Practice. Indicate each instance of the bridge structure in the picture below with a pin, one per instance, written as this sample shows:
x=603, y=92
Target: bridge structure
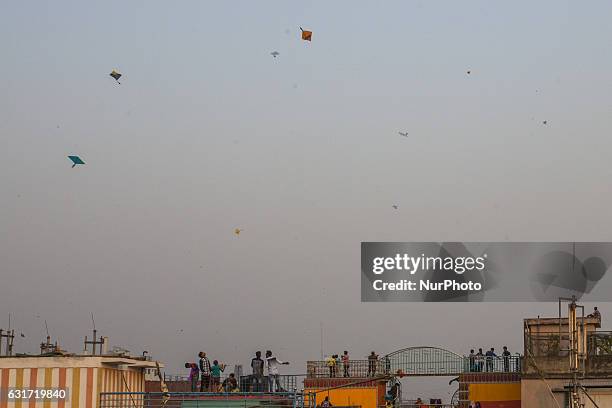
x=426, y=361
x=422, y=361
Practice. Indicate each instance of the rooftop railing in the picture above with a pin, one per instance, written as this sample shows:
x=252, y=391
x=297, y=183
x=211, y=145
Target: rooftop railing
x=246, y=383
x=493, y=364
x=414, y=404
x=557, y=345
x=355, y=369
x=425, y=367
x=205, y=400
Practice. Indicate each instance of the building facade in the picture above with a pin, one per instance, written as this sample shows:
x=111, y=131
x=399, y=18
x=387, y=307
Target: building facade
x=82, y=378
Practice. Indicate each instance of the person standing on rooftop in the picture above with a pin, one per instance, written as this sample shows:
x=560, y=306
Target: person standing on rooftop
x=472, y=359
x=257, y=364
x=372, y=360
x=490, y=354
x=204, y=371
x=479, y=360
x=194, y=373
x=506, y=357
x=345, y=363
x=215, y=373
x=331, y=365
x=273, y=376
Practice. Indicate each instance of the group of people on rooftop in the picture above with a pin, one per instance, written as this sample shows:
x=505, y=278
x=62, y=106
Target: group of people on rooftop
x=333, y=362
x=272, y=364
x=209, y=374
x=478, y=360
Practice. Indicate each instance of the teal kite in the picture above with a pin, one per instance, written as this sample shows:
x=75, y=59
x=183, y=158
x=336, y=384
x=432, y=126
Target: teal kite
x=76, y=160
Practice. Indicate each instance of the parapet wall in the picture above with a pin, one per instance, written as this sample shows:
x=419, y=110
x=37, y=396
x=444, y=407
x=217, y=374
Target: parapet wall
x=596, y=366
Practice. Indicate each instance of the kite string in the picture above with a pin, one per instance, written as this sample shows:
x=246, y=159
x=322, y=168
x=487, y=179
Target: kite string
x=541, y=373
x=573, y=257
x=128, y=388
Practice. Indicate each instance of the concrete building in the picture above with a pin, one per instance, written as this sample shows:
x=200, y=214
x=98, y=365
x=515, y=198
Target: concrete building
x=347, y=392
x=82, y=377
x=546, y=376
x=492, y=390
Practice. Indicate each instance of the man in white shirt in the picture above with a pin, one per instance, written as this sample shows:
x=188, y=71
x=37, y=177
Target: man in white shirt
x=273, y=376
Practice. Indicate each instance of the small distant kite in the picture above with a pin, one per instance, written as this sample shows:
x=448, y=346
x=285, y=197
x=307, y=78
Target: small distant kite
x=22, y=335
x=115, y=74
x=405, y=134
x=275, y=54
x=469, y=72
x=545, y=122
x=237, y=231
x=395, y=206
x=76, y=160
x=306, y=35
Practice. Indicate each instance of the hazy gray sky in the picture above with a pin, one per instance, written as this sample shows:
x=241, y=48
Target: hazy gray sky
x=208, y=132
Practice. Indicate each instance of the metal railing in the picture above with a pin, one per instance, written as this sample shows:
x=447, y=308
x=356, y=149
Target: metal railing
x=557, y=345
x=547, y=345
x=429, y=367
x=205, y=400
x=492, y=364
x=599, y=343
x=246, y=383
x=355, y=368
x=414, y=404
x=251, y=383
x=426, y=361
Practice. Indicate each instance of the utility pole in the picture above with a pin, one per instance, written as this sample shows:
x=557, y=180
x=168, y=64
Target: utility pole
x=10, y=337
x=321, y=324
x=47, y=347
x=576, y=349
x=94, y=342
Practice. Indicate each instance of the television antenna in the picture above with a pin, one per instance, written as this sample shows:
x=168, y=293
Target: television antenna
x=94, y=342
x=9, y=336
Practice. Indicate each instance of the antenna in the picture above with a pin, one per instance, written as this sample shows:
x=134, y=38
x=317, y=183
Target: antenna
x=577, y=347
x=321, y=324
x=47, y=347
x=9, y=336
x=573, y=257
x=94, y=342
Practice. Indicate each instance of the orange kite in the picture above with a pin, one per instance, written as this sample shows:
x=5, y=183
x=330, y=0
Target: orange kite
x=306, y=35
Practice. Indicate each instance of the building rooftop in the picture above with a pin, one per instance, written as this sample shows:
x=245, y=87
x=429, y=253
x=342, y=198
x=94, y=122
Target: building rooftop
x=71, y=360
x=555, y=321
